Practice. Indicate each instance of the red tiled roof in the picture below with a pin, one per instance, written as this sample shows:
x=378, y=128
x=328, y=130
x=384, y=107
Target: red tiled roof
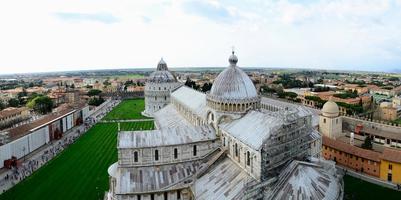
x=23, y=130
x=10, y=111
x=391, y=155
x=344, y=147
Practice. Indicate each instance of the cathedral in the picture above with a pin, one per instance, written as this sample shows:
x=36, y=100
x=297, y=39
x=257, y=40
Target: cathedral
x=229, y=143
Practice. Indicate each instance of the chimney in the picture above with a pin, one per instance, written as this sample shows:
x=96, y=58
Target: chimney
x=351, y=139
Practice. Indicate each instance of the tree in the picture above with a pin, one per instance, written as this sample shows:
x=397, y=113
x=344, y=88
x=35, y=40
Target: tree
x=2, y=105
x=206, y=87
x=190, y=83
x=94, y=92
x=13, y=102
x=106, y=83
x=41, y=104
x=367, y=144
x=95, y=101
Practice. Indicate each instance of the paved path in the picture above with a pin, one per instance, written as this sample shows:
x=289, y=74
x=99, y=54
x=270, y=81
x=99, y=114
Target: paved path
x=36, y=159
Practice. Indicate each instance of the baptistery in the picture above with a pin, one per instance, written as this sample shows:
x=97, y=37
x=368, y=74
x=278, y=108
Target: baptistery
x=158, y=88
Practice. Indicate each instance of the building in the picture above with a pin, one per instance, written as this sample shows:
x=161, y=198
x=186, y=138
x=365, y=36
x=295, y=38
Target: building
x=330, y=123
x=223, y=145
x=24, y=139
x=11, y=116
x=388, y=112
x=341, y=145
x=158, y=88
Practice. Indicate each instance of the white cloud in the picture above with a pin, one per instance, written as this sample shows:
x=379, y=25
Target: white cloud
x=324, y=33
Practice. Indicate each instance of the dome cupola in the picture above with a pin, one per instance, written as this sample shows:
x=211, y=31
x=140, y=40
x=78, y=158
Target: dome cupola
x=233, y=87
x=162, y=74
x=330, y=109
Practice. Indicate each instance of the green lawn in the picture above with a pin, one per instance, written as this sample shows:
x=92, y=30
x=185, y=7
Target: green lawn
x=79, y=172
x=358, y=189
x=128, y=109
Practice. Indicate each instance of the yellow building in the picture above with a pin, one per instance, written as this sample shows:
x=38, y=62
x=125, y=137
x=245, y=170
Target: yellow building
x=390, y=166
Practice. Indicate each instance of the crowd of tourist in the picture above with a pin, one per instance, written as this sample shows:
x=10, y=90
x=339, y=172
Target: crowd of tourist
x=28, y=165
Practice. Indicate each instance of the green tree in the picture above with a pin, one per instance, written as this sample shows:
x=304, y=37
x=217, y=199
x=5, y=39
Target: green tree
x=2, y=105
x=206, y=87
x=94, y=92
x=13, y=102
x=95, y=101
x=367, y=144
x=41, y=104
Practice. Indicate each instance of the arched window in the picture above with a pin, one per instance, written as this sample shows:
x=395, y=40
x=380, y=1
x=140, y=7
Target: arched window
x=165, y=98
x=156, y=154
x=175, y=153
x=324, y=120
x=224, y=141
x=194, y=150
x=135, y=156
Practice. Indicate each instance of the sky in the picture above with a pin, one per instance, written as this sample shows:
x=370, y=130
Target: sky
x=64, y=35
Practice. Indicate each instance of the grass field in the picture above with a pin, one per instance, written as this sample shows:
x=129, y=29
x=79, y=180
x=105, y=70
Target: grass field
x=128, y=109
x=356, y=189
x=79, y=172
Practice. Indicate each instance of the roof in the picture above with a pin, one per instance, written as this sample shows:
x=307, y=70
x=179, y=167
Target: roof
x=363, y=153
x=330, y=109
x=162, y=74
x=11, y=111
x=25, y=129
x=173, y=130
x=383, y=133
x=391, y=155
x=192, y=99
x=303, y=109
x=233, y=84
x=151, y=178
x=253, y=128
x=302, y=180
x=224, y=181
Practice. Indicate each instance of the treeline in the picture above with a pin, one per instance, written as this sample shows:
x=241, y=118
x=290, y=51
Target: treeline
x=204, y=88
x=95, y=98
x=288, y=81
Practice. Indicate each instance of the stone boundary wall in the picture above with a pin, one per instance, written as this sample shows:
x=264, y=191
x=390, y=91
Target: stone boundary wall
x=395, y=128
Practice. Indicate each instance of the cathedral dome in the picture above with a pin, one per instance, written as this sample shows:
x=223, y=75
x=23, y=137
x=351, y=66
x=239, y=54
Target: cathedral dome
x=330, y=109
x=233, y=84
x=162, y=74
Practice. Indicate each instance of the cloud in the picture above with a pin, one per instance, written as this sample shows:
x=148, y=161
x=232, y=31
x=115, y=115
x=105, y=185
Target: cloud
x=330, y=34
x=105, y=18
x=211, y=10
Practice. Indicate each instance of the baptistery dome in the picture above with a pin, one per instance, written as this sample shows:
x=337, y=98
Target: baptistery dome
x=233, y=86
x=162, y=74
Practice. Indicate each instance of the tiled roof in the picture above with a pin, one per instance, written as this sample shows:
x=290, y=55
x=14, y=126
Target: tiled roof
x=11, y=111
x=357, y=151
x=391, y=155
